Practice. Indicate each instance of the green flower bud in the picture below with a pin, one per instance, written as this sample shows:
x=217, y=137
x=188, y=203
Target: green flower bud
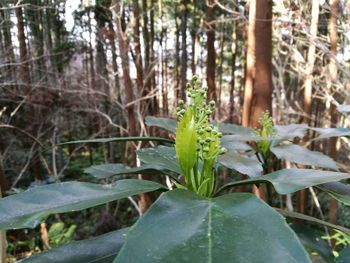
x=222, y=150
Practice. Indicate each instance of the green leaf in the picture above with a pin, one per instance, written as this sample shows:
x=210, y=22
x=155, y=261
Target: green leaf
x=344, y=255
x=162, y=156
x=311, y=219
x=301, y=155
x=338, y=190
x=104, y=171
x=101, y=249
x=313, y=242
x=186, y=143
x=250, y=137
x=165, y=123
x=291, y=130
x=288, y=181
x=27, y=208
x=236, y=145
x=119, y=139
x=229, y=128
x=184, y=227
x=240, y=163
x=331, y=132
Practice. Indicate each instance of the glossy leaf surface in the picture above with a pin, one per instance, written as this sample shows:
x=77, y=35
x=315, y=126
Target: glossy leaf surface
x=104, y=171
x=165, y=123
x=28, y=208
x=242, y=164
x=288, y=181
x=183, y=227
x=160, y=155
x=344, y=255
x=301, y=155
x=101, y=249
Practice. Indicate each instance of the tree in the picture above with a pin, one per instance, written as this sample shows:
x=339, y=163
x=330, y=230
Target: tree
x=332, y=151
x=258, y=82
x=211, y=58
x=258, y=75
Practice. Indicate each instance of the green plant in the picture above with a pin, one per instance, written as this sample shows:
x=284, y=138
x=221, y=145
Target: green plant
x=199, y=221
x=59, y=234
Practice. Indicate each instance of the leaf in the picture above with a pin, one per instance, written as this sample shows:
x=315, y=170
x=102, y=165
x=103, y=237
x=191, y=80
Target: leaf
x=288, y=181
x=242, y=164
x=344, y=255
x=250, y=137
x=165, y=123
x=236, y=145
x=311, y=219
x=291, y=130
x=186, y=143
x=184, y=227
x=338, y=190
x=330, y=132
x=118, y=139
x=104, y=171
x=301, y=155
x=27, y=208
x=162, y=156
x=229, y=128
x=101, y=249
x=312, y=241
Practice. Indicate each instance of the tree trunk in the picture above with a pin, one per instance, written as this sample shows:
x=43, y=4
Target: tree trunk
x=333, y=36
x=258, y=79
x=129, y=96
x=311, y=58
x=211, y=59
x=23, y=54
x=258, y=83
x=233, y=70
x=183, y=49
x=137, y=48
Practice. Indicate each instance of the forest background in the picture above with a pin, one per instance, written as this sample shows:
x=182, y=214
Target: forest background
x=72, y=70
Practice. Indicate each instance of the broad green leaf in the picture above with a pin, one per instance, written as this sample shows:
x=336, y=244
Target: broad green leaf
x=250, y=137
x=104, y=171
x=291, y=130
x=288, y=181
x=101, y=249
x=165, y=123
x=236, y=145
x=240, y=163
x=184, y=227
x=301, y=155
x=313, y=242
x=338, y=190
x=186, y=142
x=311, y=219
x=331, y=132
x=229, y=128
x=27, y=208
x=119, y=139
x=344, y=255
x=162, y=156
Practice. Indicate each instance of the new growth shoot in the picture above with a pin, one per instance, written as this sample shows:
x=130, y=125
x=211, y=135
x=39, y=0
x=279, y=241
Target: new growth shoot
x=197, y=141
x=267, y=130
